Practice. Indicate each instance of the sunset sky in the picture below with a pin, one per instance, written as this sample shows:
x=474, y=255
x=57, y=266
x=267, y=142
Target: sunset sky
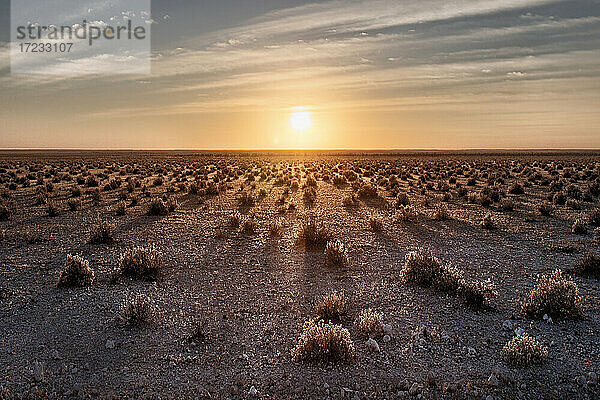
x=378, y=74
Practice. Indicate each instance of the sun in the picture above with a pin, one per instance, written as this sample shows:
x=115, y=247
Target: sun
x=301, y=119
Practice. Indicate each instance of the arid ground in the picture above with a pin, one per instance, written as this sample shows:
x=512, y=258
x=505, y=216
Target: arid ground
x=237, y=276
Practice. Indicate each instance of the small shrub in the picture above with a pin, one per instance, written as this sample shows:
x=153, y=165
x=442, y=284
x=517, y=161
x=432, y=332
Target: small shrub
x=559, y=199
x=158, y=207
x=579, y=227
x=121, y=208
x=313, y=234
x=350, y=201
x=199, y=333
x=423, y=269
x=140, y=262
x=247, y=199
x=249, y=226
x=406, y=213
x=235, y=219
x=545, y=209
x=310, y=194
x=76, y=272
x=487, y=222
x=74, y=204
x=4, y=212
x=375, y=224
x=402, y=200
x=139, y=311
x=51, y=209
x=588, y=266
x=336, y=254
x=555, y=296
x=331, y=307
x=516, y=188
x=441, y=213
x=369, y=323
x=594, y=217
x=507, y=205
x=276, y=227
x=102, y=233
x=323, y=342
x=524, y=350
x=368, y=191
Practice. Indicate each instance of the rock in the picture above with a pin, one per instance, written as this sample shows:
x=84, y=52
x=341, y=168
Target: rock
x=549, y=320
x=546, y=317
x=489, y=397
x=387, y=329
x=493, y=381
x=472, y=352
x=38, y=371
x=326, y=386
x=507, y=325
x=414, y=389
x=519, y=331
x=372, y=345
x=252, y=392
x=110, y=344
x=592, y=379
x=387, y=338
x=581, y=380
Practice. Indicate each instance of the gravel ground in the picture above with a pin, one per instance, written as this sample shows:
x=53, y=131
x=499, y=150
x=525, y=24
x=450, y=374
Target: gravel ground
x=253, y=292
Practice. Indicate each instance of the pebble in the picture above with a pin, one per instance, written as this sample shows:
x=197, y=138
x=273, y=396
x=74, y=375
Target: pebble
x=493, y=380
x=414, y=389
x=581, y=380
x=372, y=345
x=519, y=331
x=110, y=344
x=592, y=379
x=38, y=371
x=252, y=392
x=387, y=338
x=472, y=352
x=507, y=325
x=387, y=329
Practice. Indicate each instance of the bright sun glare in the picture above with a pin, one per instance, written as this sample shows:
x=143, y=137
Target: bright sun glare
x=301, y=120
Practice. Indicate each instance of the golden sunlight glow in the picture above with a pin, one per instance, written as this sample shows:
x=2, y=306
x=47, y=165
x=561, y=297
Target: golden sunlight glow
x=300, y=119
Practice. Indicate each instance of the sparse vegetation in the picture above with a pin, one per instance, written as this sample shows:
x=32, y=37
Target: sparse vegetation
x=331, y=307
x=141, y=262
x=588, y=266
x=336, y=254
x=314, y=234
x=369, y=323
x=102, y=232
x=524, y=350
x=76, y=272
x=139, y=311
x=323, y=342
x=555, y=296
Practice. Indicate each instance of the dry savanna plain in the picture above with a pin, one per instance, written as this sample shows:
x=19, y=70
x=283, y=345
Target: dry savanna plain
x=306, y=275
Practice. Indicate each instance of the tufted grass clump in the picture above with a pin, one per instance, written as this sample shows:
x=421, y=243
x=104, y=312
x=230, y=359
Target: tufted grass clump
x=554, y=295
x=276, y=227
x=524, y=350
x=441, y=213
x=423, y=269
x=323, y=342
x=331, y=307
x=368, y=191
x=579, y=227
x=247, y=199
x=375, y=224
x=139, y=311
x=141, y=263
x=75, y=273
x=588, y=266
x=4, y=212
x=336, y=254
x=161, y=207
x=314, y=234
x=406, y=213
x=594, y=217
x=369, y=323
x=487, y=222
x=102, y=232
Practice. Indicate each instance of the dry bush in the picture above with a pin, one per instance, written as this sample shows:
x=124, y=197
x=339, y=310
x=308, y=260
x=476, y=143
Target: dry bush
x=74, y=204
x=139, y=311
x=594, y=217
x=588, y=266
x=368, y=191
x=76, y=272
x=235, y=219
x=4, y=212
x=102, y=232
x=158, y=207
x=406, y=213
x=441, y=213
x=276, y=227
x=246, y=199
x=423, y=269
x=507, y=205
x=121, y=208
x=314, y=234
x=579, y=227
x=524, y=350
x=51, y=209
x=323, y=342
x=350, y=201
x=249, y=226
x=310, y=194
x=375, y=223
x=336, y=254
x=140, y=262
x=369, y=323
x=545, y=209
x=554, y=295
x=402, y=200
x=516, y=188
x=199, y=333
x=487, y=222
x=331, y=307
